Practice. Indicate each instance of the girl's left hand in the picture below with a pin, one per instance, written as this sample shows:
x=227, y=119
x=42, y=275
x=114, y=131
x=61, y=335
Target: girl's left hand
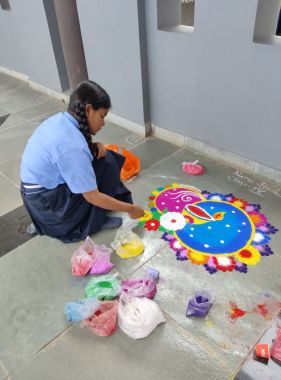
x=101, y=151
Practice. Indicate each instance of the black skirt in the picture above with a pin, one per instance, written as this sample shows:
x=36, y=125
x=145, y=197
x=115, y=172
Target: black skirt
x=69, y=217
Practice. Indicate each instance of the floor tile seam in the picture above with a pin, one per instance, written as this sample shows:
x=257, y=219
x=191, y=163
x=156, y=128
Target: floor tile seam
x=34, y=354
x=4, y=369
x=137, y=144
x=27, y=121
x=258, y=339
x=34, y=105
x=7, y=79
x=145, y=139
x=151, y=257
x=9, y=180
x=21, y=109
x=163, y=160
x=201, y=343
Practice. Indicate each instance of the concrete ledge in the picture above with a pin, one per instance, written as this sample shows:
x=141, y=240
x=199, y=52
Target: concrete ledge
x=127, y=124
x=169, y=136
x=216, y=153
x=64, y=97
x=38, y=87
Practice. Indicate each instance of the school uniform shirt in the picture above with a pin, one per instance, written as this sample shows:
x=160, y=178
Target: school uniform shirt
x=58, y=153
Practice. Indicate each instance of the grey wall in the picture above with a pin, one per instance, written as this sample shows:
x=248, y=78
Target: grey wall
x=215, y=84
x=25, y=42
x=110, y=35
x=212, y=83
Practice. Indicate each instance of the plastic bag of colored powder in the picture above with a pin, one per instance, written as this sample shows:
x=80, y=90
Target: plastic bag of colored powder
x=91, y=257
x=79, y=310
x=101, y=264
x=104, y=321
x=139, y=287
x=138, y=317
x=127, y=244
x=106, y=287
x=199, y=305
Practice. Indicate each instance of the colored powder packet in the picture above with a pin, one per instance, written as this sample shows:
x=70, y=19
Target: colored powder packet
x=127, y=244
x=104, y=321
x=139, y=287
x=199, y=305
x=79, y=310
x=138, y=317
x=106, y=287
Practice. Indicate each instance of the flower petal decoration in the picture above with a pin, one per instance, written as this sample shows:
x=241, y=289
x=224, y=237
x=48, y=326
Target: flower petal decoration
x=260, y=238
x=249, y=256
x=172, y=221
x=176, y=245
x=252, y=207
x=225, y=263
x=152, y=225
x=147, y=216
x=197, y=258
x=210, y=266
x=216, y=197
x=167, y=237
x=266, y=250
x=241, y=267
x=182, y=255
x=238, y=202
x=229, y=197
x=257, y=218
x=268, y=229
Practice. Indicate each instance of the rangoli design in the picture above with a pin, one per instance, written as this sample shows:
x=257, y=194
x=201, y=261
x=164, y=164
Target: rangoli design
x=220, y=232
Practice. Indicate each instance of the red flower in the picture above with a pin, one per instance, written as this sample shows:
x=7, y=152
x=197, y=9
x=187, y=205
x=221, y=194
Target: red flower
x=152, y=225
x=225, y=263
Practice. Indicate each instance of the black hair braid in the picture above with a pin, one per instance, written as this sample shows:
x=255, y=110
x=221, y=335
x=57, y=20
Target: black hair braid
x=80, y=114
x=87, y=92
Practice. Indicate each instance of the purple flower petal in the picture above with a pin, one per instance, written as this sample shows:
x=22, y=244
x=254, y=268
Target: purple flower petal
x=211, y=263
x=181, y=256
x=209, y=269
x=167, y=237
x=205, y=192
x=266, y=250
x=240, y=267
x=271, y=229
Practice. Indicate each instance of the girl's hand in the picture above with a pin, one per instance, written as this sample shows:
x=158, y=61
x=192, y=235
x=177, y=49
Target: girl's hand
x=136, y=212
x=101, y=151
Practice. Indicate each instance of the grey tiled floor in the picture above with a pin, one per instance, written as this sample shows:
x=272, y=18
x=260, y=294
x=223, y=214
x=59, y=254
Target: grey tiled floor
x=36, y=340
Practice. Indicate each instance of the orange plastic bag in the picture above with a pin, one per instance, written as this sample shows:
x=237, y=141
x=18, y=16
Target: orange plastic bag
x=131, y=165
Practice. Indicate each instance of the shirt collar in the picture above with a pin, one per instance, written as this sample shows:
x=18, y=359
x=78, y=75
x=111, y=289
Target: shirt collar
x=71, y=118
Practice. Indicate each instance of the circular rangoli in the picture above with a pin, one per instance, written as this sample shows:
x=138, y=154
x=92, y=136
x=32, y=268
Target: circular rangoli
x=220, y=232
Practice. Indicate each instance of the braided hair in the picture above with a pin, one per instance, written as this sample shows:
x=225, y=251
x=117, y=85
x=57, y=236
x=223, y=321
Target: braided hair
x=87, y=92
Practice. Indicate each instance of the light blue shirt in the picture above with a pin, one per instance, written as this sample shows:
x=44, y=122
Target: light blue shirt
x=57, y=153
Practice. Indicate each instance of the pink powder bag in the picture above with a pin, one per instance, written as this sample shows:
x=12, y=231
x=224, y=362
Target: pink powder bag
x=139, y=287
x=104, y=321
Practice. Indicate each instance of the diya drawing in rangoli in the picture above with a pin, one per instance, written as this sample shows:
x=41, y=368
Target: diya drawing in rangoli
x=220, y=232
